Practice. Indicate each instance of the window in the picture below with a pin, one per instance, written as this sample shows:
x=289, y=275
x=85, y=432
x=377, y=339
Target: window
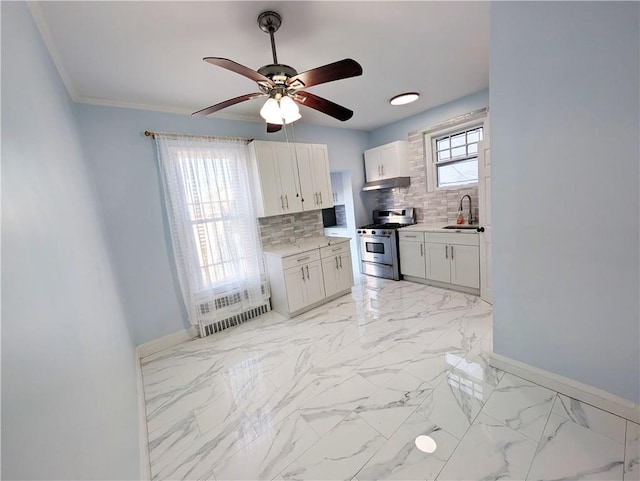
x=457, y=158
x=451, y=152
x=213, y=228
x=215, y=205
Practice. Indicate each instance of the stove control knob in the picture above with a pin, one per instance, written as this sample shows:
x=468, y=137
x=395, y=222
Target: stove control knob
x=373, y=232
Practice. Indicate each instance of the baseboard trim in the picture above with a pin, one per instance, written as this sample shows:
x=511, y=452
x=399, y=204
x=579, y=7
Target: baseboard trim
x=157, y=345
x=442, y=285
x=143, y=435
x=582, y=392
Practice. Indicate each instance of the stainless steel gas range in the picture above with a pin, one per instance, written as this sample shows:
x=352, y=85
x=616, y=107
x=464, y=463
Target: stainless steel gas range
x=378, y=242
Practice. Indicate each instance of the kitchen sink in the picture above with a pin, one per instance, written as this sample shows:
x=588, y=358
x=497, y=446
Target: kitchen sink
x=460, y=227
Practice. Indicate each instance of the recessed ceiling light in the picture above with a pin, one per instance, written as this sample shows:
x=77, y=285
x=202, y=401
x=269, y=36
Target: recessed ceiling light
x=405, y=98
x=426, y=444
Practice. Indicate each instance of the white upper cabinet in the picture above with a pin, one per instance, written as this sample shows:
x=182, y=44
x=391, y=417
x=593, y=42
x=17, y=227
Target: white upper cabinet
x=337, y=187
x=387, y=161
x=313, y=165
x=284, y=174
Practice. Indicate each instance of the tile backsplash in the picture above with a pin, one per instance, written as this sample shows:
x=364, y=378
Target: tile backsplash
x=430, y=207
x=288, y=228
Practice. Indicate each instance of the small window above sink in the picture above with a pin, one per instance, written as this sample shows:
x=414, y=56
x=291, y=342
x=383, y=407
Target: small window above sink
x=460, y=227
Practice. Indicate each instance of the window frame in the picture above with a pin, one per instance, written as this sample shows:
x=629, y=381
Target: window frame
x=429, y=138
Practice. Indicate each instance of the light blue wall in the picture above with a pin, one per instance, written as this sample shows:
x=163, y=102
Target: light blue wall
x=565, y=165
x=400, y=130
x=69, y=400
x=124, y=167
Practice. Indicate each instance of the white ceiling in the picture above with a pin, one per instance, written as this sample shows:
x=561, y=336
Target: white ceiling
x=149, y=54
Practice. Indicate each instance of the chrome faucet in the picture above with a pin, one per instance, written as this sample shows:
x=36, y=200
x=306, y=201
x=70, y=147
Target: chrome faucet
x=471, y=219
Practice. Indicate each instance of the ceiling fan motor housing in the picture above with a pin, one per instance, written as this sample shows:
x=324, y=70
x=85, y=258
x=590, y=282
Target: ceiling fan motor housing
x=269, y=21
x=278, y=72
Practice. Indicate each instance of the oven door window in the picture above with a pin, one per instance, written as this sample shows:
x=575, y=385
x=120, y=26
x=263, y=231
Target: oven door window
x=374, y=247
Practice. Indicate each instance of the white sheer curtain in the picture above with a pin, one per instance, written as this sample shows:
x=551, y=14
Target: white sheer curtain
x=213, y=227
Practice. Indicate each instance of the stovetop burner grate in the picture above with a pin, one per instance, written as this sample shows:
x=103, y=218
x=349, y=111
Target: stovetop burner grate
x=391, y=225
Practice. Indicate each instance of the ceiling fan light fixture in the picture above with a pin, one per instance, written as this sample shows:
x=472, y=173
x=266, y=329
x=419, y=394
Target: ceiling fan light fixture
x=270, y=111
x=405, y=98
x=278, y=112
x=289, y=110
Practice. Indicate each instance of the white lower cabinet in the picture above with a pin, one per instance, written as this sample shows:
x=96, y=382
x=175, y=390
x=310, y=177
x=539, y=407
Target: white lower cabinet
x=412, y=255
x=307, y=279
x=438, y=265
x=336, y=268
x=445, y=259
x=304, y=285
x=465, y=265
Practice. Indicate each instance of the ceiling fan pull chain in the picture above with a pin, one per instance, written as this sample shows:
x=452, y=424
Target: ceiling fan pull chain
x=295, y=154
x=293, y=135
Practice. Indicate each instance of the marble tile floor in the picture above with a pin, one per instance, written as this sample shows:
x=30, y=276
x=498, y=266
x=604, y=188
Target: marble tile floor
x=341, y=392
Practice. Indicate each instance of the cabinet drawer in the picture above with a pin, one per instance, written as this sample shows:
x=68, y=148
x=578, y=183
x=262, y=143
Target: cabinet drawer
x=334, y=250
x=301, y=259
x=411, y=236
x=449, y=238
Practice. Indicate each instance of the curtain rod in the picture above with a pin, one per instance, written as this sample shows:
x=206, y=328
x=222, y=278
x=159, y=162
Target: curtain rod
x=148, y=133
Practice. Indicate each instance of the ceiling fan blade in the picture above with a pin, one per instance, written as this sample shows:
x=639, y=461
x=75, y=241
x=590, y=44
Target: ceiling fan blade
x=323, y=105
x=241, y=69
x=271, y=128
x=345, y=68
x=226, y=103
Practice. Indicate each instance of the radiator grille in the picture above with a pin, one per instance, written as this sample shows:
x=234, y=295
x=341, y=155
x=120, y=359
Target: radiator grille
x=217, y=326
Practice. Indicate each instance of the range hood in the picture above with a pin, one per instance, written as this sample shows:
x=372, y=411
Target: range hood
x=387, y=183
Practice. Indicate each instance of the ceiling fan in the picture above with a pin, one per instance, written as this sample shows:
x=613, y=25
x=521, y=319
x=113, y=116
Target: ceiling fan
x=283, y=84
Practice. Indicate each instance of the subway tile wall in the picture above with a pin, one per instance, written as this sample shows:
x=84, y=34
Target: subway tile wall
x=288, y=228
x=430, y=207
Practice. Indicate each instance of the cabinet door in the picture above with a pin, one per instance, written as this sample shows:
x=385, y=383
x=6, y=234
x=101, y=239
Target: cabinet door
x=337, y=188
x=288, y=177
x=389, y=161
x=304, y=164
x=372, y=165
x=295, y=283
x=269, y=179
x=438, y=262
x=330, y=271
x=320, y=175
x=412, y=258
x=465, y=265
x=314, y=282
x=345, y=271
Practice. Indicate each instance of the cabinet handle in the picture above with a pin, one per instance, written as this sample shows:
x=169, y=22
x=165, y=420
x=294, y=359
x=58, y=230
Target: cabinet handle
x=336, y=249
x=446, y=252
x=282, y=202
x=302, y=269
x=315, y=197
x=340, y=262
x=451, y=252
x=320, y=194
x=308, y=272
x=303, y=258
x=412, y=236
x=336, y=262
x=286, y=197
x=382, y=169
x=421, y=250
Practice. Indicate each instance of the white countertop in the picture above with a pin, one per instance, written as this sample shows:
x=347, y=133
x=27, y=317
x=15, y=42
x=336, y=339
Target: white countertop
x=304, y=245
x=437, y=228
